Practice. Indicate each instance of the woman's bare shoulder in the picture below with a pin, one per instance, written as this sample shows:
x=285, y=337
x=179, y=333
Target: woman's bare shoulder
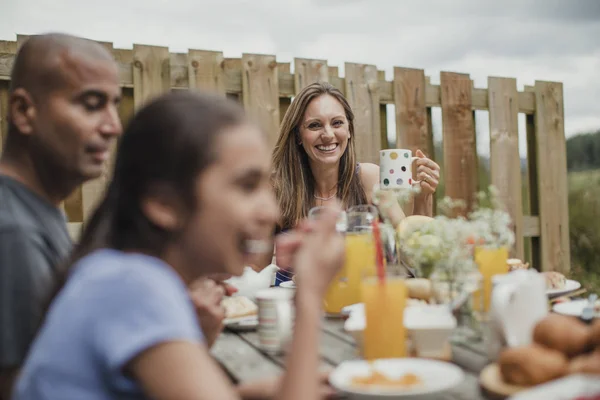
x=369, y=177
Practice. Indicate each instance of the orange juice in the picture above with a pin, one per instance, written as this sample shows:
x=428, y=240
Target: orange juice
x=384, y=335
x=490, y=262
x=344, y=290
x=336, y=297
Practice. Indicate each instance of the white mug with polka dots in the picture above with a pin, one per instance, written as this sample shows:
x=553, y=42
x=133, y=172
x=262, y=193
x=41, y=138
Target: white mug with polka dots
x=395, y=169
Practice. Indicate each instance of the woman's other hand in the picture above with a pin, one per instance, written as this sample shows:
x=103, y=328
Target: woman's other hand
x=428, y=173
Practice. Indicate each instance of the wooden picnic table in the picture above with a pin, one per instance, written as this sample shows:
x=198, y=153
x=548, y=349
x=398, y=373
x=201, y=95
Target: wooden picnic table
x=241, y=357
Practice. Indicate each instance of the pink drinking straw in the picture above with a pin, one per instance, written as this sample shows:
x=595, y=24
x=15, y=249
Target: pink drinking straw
x=378, y=251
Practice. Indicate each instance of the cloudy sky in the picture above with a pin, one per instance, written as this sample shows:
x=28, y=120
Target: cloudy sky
x=527, y=39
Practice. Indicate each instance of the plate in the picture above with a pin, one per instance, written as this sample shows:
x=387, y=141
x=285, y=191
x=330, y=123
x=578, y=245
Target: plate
x=242, y=323
x=570, y=286
x=491, y=381
x=570, y=387
x=572, y=308
x=288, y=285
x=437, y=376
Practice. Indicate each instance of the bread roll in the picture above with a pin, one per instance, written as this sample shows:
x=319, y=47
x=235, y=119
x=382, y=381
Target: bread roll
x=586, y=364
x=566, y=334
x=531, y=365
x=419, y=288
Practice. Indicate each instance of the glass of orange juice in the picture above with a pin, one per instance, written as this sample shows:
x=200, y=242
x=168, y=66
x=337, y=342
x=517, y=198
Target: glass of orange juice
x=344, y=290
x=384, y=335
x=491, y=262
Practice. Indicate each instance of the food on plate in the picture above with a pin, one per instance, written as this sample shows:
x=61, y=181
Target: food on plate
x=239, y=306
x=419, y=288
x=554, y=280
x=516, y=264
x=566, y=334
x=586, y=364
x=531, y=365
x=378, y=379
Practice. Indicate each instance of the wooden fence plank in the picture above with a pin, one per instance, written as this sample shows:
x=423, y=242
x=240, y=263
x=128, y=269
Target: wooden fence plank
x=552, y=176
x=4, y=85
x=383, y=125
x=284, y=68
x=8, y=49
x=412, y=127
x=8, y=46
x=308, y=71
x=460, y=154
x=206, y=71
x=534, y=208
x=151, y=73
x=179, y=66
x=261, y=91
x=363, y=96
x=333, y=72
x=505, y=160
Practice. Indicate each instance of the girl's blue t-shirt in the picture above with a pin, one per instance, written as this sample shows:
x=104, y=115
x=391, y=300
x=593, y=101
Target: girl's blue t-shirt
x=114, y=306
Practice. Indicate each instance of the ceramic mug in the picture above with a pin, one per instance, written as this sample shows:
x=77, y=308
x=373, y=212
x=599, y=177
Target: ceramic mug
x=395, y=169
x=275, y=318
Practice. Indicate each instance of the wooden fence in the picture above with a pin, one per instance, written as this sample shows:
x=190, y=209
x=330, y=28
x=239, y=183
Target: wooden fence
x=265, y=87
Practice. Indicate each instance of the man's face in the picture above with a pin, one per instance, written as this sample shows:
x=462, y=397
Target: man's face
x=77, y=121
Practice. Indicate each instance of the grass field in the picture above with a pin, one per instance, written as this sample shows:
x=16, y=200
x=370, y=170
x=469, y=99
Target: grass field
x=584, y=227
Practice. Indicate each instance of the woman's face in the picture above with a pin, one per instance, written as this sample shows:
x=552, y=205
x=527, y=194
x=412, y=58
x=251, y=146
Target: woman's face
x=324, y=130
x=235, y=204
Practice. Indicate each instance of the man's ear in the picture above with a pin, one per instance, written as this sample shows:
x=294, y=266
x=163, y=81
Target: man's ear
x=21, y=111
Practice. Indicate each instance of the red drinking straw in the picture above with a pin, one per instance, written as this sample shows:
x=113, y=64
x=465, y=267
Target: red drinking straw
x=378, y=251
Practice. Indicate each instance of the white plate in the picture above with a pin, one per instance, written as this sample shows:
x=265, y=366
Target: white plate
x=437, y=376
x=570, y=387
x=248, y=322
x=570, y=286
x=573, y=308
x=288, y=285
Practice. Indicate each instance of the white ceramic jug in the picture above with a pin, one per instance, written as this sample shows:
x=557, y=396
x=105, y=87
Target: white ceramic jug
x=519, y=302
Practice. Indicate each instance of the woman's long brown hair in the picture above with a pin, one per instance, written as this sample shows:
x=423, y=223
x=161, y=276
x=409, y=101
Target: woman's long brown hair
x=293, y=180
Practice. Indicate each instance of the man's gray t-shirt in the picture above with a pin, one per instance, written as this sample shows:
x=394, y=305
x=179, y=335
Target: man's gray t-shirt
x=34, y=242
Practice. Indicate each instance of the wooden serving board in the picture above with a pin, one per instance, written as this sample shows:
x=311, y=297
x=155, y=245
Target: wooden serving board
x=491, y=381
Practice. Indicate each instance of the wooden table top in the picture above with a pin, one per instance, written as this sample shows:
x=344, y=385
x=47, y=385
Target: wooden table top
x=241, y=357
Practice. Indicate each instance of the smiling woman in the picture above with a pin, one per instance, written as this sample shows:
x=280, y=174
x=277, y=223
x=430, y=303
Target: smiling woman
x=315, y=160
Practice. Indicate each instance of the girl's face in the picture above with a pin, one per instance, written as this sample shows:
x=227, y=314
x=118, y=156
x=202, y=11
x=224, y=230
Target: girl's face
x=324, y=130
x=235, y=205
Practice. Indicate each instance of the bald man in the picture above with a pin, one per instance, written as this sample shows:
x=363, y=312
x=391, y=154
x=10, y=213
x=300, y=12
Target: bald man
x=62, y=120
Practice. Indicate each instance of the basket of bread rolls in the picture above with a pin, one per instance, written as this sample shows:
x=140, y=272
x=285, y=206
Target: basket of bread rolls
x=562, y=345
